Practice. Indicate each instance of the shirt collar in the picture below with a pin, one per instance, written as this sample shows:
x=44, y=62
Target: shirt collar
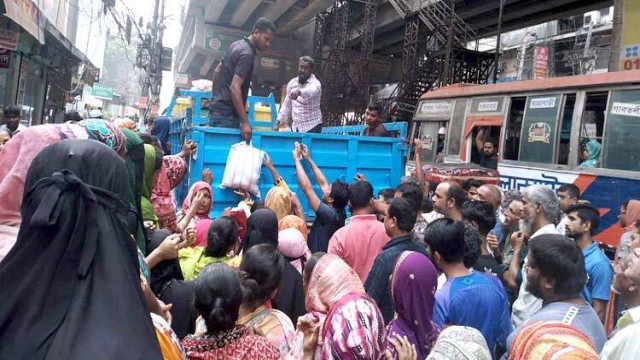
x=368, y=217
x=397, y=240
x=547, y=229
x=629, y=317
x=590, y=249
x=250, y=44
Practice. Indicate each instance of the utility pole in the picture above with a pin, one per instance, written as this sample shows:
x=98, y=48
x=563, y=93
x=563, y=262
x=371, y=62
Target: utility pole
x=498, y=36
x=150, y=56
x=616, y=31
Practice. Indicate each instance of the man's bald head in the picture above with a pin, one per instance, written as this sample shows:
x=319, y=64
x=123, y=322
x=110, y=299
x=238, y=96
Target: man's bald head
x=490, y=194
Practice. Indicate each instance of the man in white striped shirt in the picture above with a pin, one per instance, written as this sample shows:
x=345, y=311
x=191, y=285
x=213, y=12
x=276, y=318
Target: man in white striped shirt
x=302, y=102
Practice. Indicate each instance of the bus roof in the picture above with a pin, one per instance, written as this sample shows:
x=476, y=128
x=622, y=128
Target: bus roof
x=566, y=82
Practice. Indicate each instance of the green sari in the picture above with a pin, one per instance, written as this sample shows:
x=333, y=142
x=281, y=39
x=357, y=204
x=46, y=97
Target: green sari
x=135, y=164
x=147, y=184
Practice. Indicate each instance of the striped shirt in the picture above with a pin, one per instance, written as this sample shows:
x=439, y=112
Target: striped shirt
x=305, y=110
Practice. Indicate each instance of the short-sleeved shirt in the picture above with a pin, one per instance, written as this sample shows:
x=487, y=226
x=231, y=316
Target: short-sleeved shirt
x=328, y=220
x=476, y=300
x=599, y=274
x=237, y=61
x=359, y=243
x=585, y=320
x=491, y=163
x=378, y=130
x=489, y=265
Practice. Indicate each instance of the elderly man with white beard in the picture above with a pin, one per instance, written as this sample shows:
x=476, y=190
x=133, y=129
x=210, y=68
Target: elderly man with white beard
x=540, y=213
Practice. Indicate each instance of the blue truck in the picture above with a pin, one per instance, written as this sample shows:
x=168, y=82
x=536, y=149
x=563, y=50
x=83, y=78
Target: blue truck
x=341, y=152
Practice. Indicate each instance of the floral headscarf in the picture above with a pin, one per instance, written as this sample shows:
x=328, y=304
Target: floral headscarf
x=294, y=222
x=107, y=133
x=167, y=178
x=552, y=340
x=331, y=279
x=279, y=200
x=460, y=343
x=293, y=246
x=413, y=286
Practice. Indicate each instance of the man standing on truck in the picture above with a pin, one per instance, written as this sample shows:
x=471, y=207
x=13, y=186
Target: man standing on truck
x=488, y=150
x=232, y=77
x=302, y=102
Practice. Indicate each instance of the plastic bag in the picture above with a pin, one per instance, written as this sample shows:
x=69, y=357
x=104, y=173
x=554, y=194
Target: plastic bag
x=243, y=168
x=202, y=85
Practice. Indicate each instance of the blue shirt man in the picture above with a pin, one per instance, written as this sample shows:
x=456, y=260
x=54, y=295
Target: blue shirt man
x=599, y=274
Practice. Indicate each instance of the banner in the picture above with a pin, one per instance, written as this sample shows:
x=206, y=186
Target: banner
x=630, y=49
x=542, y=60
x=102, y=91
x=27, y=15
x=5, y=58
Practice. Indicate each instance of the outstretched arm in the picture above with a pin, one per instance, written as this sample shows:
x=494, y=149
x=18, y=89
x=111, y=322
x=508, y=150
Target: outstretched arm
x=305, y=183
x=320, y=178
x=419, y=173
x=480, y=139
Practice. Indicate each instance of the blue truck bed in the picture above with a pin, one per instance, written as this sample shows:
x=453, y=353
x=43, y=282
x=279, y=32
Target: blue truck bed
x=336, y=151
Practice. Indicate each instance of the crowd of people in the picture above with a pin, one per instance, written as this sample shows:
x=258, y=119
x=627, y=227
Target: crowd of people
x=98, y=261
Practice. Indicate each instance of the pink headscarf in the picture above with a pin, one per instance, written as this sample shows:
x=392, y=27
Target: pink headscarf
x=633, y=214
x=186, y=204
x=293, y=246
x=15, y=160
x=330, y=280
x=202, y=233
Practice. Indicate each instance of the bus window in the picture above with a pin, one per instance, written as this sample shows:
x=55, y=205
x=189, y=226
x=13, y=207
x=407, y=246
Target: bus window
x=621, y=146
x=432, y=134
x=514, y=128
x=591, y=130
x=455, y=129
x=539, y=128
x=565, y=130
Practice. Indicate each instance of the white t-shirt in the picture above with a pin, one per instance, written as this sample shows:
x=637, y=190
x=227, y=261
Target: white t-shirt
x=527, y=304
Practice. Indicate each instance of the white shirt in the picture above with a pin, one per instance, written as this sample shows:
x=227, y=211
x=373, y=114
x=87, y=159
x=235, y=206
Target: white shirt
x=20, y=128
x=624, y=344
x=527, y=304
x=562, y=225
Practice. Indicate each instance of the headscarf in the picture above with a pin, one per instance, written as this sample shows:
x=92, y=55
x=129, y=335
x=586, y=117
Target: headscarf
x=186, y=204
x=460, y=343
x=552, y=340
x=593, y=147
x=294, y=222
x=15, y=159
x=73, y=253
x=168, y=177
x=126, y=123
x=413, y=285
x=135, y=166
x=202, y=233
x=279, y=200
x=633, y=214
x=262, y=228
x=107, y=133
x=292, y=245
x=161, y=127
x=330, y=280
x=165, y=270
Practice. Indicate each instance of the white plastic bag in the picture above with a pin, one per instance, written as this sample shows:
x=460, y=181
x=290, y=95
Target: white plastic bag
x=243, y=168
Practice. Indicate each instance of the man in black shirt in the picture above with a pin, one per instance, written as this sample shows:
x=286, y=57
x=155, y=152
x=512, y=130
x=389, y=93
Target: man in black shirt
x=232, y=77
x=488, y=150
x=330, y=215
x=480, y=214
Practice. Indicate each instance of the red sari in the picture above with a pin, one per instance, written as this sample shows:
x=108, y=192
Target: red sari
x=234, y=344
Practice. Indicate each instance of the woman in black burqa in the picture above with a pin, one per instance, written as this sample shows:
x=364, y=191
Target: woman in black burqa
x=71, y=284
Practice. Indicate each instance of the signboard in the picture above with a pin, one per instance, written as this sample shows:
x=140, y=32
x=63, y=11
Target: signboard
x=217, y=42
x=143, y=102
x=630, y=47
x=5, y=59
x=9, y=39
x=102, y=91
x=621, y=149
x=539, y=135
x=154, y=110
x=542, y=60
x=27, y=15
x=440, y=110
x=489, y=105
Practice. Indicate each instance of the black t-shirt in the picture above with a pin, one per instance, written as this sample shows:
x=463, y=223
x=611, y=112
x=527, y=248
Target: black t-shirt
x=488, y=264
x=328, y=220
x=491, y=163
x=238, y=61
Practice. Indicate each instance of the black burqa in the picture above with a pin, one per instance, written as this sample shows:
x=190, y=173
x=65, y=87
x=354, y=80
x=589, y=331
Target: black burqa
x=262, y=228
x=161, y=127
x=169, y=286
x=71, y=284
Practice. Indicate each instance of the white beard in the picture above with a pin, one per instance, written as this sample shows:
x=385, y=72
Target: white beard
x=526, y=227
